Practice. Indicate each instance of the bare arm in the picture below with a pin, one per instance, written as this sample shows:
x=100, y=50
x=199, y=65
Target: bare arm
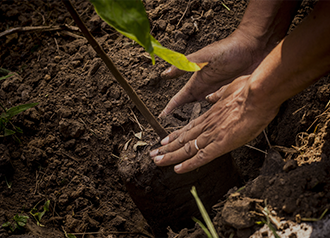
x=249, y=103
x=264, y=24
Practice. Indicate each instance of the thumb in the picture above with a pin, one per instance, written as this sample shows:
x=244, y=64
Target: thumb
x=182, y=97
x=172, y=72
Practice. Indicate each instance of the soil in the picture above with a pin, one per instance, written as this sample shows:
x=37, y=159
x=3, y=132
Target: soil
x=72, y=140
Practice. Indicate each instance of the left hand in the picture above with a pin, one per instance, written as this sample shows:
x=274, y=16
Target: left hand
x=233, y=120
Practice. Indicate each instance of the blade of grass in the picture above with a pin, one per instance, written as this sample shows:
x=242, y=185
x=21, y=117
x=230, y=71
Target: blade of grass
x=203, y=211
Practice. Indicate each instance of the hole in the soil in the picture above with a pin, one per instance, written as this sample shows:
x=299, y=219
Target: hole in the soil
x=179, y=117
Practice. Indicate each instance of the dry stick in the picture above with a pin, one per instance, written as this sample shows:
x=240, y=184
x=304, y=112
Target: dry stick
x=122, y=81
x=38, y=28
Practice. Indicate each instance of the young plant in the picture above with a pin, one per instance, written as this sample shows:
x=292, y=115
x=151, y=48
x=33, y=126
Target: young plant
x=266, y=212
x=8, y=183
x=18, y=223
x=38, y=215
x=130, y=19
x=7, y=128
x=210, y=230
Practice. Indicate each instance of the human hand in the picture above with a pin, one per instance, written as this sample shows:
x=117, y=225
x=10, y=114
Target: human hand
x=239, y=54
x=235, y=119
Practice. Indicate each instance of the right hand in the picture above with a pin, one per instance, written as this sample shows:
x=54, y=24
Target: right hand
x=227, y=59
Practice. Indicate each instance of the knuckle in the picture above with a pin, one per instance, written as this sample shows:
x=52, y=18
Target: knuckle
x=190, y=125
x=181, y=138
x=187, y=148
x=201, y=156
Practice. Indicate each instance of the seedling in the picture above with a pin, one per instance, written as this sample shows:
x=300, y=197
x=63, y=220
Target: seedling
x=8, y=183
x=129, y=18
x=210, y=230
x=6, y=116
x=18, y=223
x=38, y=215
x=266, y=212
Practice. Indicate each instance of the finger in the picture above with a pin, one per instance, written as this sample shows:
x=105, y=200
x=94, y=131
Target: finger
x=201, y=158
x=177, y=156
x=172, y=72
x=182, y=97
x=216, y=96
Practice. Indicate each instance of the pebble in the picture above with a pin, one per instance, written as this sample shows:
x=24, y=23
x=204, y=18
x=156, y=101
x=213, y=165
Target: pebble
x=47, y=77
x=290, y=165
x=57, y=58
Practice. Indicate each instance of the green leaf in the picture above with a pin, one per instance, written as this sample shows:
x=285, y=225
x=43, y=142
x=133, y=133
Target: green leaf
x=6, y=224
x=71, y=236
x=7, y=76
x=204, y=213
x=7, y=132
x=203, y=227
x=18, y=109
x=21, y=220
x=177, y=59
x=130, y=19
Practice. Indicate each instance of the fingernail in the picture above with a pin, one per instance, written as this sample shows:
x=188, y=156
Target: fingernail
x=177, y=167
x=161, y=114
x=167, y=71
x=154, y=153
x=165, y=140
x=207, y=98
x=158, y=158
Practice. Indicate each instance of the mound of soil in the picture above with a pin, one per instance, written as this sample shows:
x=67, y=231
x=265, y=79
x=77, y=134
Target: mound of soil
x=71, y=146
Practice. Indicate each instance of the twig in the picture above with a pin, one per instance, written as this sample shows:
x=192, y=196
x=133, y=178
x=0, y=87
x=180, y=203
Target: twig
x=111, y=232
x=184, y=13
x=137, y=121
x=58, y=49
x=270, y=146
x=38, y=28
x=252, y=147
x=113, y=69
x=72, y=35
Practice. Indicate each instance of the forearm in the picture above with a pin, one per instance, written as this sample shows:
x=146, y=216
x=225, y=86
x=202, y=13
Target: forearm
x=268, y=21
x=297, y=62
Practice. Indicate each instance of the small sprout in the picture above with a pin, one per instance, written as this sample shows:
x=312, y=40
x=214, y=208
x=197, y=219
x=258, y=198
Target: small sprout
x=8, y=183
x=210, y=232
x=38, y=215
x=19, y=223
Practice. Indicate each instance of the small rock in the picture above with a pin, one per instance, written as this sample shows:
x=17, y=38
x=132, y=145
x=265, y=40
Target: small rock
x=47, y=77
x=290, y=165
x=161, y=24
x=209, y=14
x=57, y=58
x=237, y=213
x=75, y=63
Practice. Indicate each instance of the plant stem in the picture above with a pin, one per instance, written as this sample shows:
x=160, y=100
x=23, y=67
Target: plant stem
x=113, y=69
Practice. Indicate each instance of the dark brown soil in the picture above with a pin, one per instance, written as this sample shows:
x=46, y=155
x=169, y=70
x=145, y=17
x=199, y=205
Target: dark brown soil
x=72, y=141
